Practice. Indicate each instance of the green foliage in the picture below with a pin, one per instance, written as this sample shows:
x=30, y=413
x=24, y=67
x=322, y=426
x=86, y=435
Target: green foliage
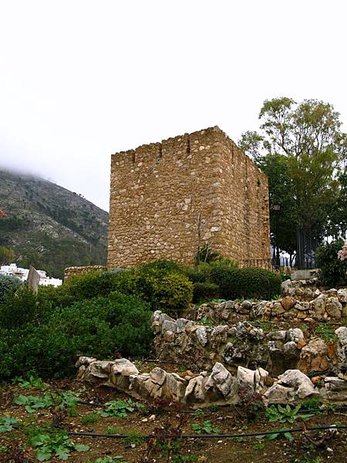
x=198, y=412
x=313, y=403
x=206, y=254
x=32, y=382
x=278, y=435
x=51, y=298
x=8, y=283
x=206, y=427
x=8, y=423
x=282, y=195
x=6, y=254
x=20, y=308
x=90, y=418
x=134, y=438
x=205, y=291
x=51, y=442
x=300, y=147
x=161, y=266
x=68, y=400
x=338, y=216
x=235, y=283
x=333, y=271
x=201, y=273
x=113, y=430
x=119, y=408
x=325, y=331
x=33, y=403
x=169, y=292
x=97, y=327
x=287, y=414
x=162, y=284
x=184, y=458
x=116, y=459
x=90, y=285
x=205, y=321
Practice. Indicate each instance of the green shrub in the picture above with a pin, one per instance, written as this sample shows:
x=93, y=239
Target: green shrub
x=235, y=283
x=202, y=272
x=206, y=254
x=162, y=266
x=19, y=308
x=126, y=282
x=205, y=291
x=157, y=283
x=89, y=285
x=8, y=283
x=332, y=269
x=99, y=327
x=169, y=292
x=51, y=297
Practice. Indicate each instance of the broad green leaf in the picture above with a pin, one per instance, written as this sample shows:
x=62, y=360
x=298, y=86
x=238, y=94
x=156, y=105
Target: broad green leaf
x=81, y=448
x=43, y=454
x=62, y=453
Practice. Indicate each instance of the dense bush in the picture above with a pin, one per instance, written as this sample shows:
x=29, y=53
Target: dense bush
x=163, y=266
x=101, y=327
x=89, y=285
x=235, y=283
x=169, y=292
x=202, y=272
x=19, y=308
x=162, y=284
x=204, y=291
x=8, y=283
x=104, y=314
x=332, y=269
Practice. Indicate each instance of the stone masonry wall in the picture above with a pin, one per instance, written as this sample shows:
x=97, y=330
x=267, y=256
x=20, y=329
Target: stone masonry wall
x=168, y=199
x=76, y=271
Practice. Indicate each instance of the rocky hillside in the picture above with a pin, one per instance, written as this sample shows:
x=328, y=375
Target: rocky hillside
x=48, y=226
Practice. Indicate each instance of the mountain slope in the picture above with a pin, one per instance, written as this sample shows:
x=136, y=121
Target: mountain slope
x=48, y=226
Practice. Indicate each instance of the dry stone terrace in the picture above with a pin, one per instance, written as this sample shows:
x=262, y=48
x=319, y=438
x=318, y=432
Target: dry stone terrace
x=224, y=361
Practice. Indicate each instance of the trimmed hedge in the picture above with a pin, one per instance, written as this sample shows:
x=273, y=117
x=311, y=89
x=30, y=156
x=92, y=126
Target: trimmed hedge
x=205, y=291
x=238, y=283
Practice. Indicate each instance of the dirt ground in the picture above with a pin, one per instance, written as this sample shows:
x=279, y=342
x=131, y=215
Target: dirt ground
x=160, y=432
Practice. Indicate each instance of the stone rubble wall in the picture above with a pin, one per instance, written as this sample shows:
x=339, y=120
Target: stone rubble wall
x=299, y=303
x=234, y=340
x=197, y=346
x=204, y=389
x=73, y=271
x=168, y=199
x=225, y=363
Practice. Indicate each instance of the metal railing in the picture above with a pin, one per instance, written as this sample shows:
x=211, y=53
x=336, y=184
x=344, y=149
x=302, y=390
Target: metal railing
x=261, y=263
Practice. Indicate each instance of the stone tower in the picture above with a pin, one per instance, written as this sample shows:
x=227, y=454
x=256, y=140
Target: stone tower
x=169, y=199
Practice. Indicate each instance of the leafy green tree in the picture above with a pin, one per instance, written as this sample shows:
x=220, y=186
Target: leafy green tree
x=283, y=210
x=307, y=142
x=338, y=215
x=6, y=255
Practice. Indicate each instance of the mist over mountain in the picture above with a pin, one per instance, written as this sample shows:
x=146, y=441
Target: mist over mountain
x=48, y=226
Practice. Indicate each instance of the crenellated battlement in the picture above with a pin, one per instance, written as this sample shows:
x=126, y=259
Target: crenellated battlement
x=168, y=199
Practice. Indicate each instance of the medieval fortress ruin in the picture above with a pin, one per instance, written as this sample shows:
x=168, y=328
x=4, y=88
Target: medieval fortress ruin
x=170, y=199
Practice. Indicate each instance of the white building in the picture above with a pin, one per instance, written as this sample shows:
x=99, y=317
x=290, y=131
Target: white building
x=22, y=274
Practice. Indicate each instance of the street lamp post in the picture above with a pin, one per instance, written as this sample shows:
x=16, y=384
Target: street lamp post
x=276, y=208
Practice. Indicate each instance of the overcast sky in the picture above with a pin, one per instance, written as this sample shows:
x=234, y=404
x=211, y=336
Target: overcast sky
x=80, y=80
